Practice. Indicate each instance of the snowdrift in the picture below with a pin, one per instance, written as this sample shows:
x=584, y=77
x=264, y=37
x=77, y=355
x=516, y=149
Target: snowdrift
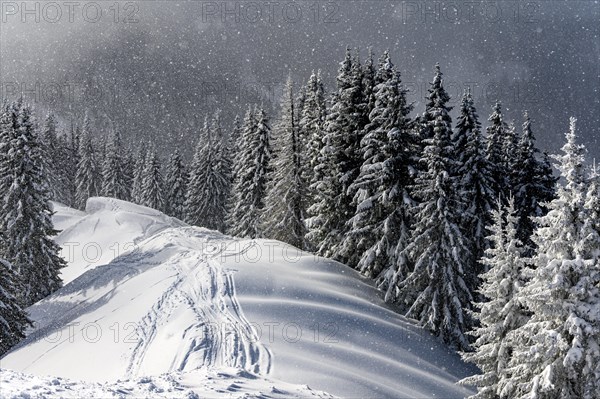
x=181, y=306
x=227, y=383
x=107, y=228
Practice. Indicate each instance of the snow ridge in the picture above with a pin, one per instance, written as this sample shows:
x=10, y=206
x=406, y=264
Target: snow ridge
x=165, y=306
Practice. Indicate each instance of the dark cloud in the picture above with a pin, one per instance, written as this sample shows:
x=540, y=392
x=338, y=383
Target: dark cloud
x=155, y=68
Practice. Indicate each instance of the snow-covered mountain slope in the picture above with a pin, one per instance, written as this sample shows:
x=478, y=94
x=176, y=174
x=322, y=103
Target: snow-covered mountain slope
x=188, y=302
x=107, y=228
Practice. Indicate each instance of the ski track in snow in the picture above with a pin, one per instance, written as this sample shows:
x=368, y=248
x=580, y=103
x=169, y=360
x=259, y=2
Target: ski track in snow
x=221, y=335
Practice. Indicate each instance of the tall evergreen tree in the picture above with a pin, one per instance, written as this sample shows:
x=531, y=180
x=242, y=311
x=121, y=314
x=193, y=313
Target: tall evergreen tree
x=589, y=245
x=474, y=184
x=69, y=161
x=128, y=166
x=390, y=108
x=436, y=95
x=369, y=83
x=380, y=188
x=284, y=204
x=234, y=141
x=49, y=133
x=51, y=156
x=205, y=203
x=556, y=352
x=227, y=152
x=495, y=154
x=87, y=176
x=501, y=312
x=113, y=173
x=340, y=160
x=252, y=168
x=152, y=182
x=311, y=128
x=9, y=127
x=361, y=96
x=101, y=144
x=26, y=220
x=301, y=100
x=531, y=184
x=176, y=183
x=13, y=319
x=510, y=145
x=547, y=180
x=435, y=292
x=241, y=158
x=138, y=175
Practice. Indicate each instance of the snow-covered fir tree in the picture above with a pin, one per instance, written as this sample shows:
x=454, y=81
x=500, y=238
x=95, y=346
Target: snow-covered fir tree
x=9, y=127
x=227, y=152
x=474, y=184
x=196, y=199
x=381, y=187
x=241, y=158
x=495, y=154
x=396, y=180
x=152, y=182
x=138, y=175
x=13, y=319
x=284, y=205
x=26, y=215
x=340, y=160
x=556, y=353
x=101, y=145
x=300, y=101
x=510, y=145
x=547, y=179
x=501, y=312
x=435, y=292
x=51, y=157
x=322, y=224
x=361, y=98
x=533, y=184
x=589, y=244
x=128, y=166
x=113, y=173
x=233, y=148
x=369, y=83
x=206, y=198
x=436, y=94
x=88, y=171
x=252, y=168
x=176, y=178
x=311, y=128
x=68, y=163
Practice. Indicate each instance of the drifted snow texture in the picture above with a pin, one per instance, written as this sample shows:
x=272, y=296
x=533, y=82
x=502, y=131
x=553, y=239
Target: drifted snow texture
x=152, y=299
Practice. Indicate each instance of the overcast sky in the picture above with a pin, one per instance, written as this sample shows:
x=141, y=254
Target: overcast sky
x=156, y=68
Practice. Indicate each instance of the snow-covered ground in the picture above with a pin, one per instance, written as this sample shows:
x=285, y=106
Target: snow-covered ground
x=172, y=310
x=225, y=383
